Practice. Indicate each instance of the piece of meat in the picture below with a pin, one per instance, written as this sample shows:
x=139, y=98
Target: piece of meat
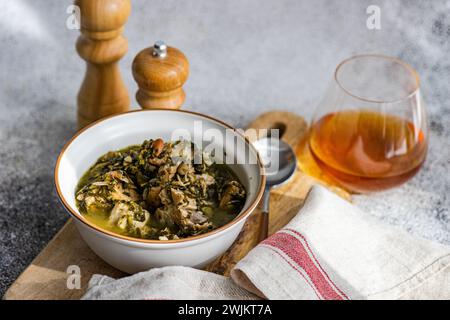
x=122, y=192
x=204, y=181
x=119, y=175
x=192, y=221
x=198, y=217
x=100, y=195
x=157, y=161
x=185, y=169
x=181, y=211
x=182, y=152
x=94, y=204
x=131, y=217
x=189, y=219
x=190, y=204
x=153, y=199
x=165, y=216
x=164, y=197
x=234, y=189
x=167, y=172
x=177, y=196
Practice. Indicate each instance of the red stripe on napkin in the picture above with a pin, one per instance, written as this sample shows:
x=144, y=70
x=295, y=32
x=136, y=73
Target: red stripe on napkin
x=317, y=261
x=296, y=269
x=295, y=250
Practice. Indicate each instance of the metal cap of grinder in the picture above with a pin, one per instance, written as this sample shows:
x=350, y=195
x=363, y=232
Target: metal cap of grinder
x=160, y=49
x=160, y=72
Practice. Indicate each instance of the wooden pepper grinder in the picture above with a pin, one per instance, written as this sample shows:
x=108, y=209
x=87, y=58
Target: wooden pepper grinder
x=102, y=45
x=160, y=72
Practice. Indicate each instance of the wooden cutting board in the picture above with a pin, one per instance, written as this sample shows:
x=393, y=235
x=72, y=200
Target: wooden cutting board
x=47, y=276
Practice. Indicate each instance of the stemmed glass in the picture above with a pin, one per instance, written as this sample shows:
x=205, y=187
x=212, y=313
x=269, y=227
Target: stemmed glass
x=369, y=133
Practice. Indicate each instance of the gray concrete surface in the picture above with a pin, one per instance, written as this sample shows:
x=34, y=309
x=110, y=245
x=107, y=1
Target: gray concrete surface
x=246, y=57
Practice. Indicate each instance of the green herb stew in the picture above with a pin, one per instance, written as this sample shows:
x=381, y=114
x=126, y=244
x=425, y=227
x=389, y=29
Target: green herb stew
x=159, y=190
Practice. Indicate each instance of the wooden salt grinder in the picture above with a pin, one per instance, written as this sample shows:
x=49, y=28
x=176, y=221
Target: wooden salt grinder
x=160, y=73
x=102, y=45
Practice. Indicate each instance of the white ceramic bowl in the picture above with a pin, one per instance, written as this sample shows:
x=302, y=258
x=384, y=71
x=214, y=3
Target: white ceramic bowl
x=130, y=254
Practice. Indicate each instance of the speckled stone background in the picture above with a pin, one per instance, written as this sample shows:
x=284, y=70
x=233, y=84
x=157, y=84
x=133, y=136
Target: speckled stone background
x=246, y=57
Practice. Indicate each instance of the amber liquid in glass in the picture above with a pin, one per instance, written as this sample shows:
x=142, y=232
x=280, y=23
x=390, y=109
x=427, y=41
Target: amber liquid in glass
x=367, y=151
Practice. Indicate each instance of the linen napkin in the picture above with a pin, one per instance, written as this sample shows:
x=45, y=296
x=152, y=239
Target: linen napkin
x=329, y=250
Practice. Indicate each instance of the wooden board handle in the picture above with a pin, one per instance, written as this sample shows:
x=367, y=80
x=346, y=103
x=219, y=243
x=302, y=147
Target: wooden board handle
x=292, y=127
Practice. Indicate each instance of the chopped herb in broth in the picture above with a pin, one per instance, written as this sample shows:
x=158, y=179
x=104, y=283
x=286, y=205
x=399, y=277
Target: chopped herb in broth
x=157, y=191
